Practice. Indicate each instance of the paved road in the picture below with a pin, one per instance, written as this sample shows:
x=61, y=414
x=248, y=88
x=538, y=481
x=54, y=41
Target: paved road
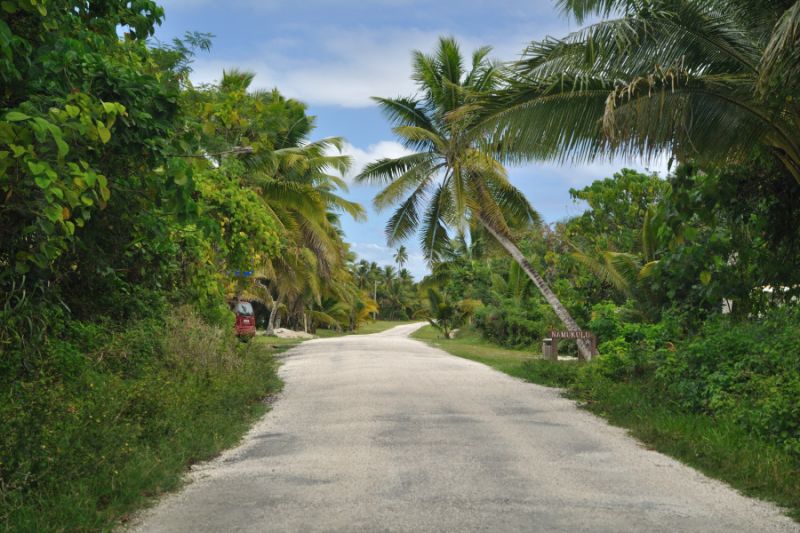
x=383, y=433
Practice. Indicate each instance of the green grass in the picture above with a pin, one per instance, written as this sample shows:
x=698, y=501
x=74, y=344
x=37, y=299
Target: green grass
x=130, y=451
x=719, y=448
x=469, y=345
x=274, y=345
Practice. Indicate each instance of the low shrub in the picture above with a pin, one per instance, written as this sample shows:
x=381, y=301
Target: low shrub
x=744, y=371
x=106, y=418
x=748, y=371
x=510, y=324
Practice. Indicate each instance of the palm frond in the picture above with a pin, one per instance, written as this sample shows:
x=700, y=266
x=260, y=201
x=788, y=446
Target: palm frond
x=420, y=176
x=434, y=238
x=405, y=112
x=387, y=170
x=405, y=219
x=780, y=63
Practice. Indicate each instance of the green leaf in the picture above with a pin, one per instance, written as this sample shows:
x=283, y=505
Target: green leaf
x=63, y=148
x=180, y=178
x=42, y=181
x=73, y=111
x=87, y=200
x=705, y=277
x=16, y=116
x=113, y=108
x=37, y=168
x=53, y=212
x=105, y=194
x=103, y=132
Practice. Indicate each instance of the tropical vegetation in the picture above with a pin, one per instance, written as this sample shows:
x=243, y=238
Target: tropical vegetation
x=458, y=181
x=134, y=206
x=688, y=279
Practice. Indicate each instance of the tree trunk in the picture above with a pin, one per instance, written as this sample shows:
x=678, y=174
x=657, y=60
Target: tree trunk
x=584, y=347
x=273, y=314
x=375, y=299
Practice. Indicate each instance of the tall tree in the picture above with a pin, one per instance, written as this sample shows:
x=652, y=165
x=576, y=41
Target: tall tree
x=263, y=138
x=451, y=172
x=401, y=256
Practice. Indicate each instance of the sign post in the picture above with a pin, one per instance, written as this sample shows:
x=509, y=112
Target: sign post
x=577, y=335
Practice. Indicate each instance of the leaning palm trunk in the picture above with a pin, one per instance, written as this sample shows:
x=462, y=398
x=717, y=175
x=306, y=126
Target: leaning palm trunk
x=273, y=315
x=584, y=348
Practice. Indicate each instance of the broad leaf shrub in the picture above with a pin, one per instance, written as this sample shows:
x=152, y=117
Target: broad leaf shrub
x=744, y=371
x=628, y=349
x=512, y=324
x=748, y=371
x=105, y=417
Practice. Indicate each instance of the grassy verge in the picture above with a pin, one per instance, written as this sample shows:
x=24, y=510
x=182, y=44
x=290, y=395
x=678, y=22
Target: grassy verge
x=718, y=447
x=470, y=345
x=82, y=449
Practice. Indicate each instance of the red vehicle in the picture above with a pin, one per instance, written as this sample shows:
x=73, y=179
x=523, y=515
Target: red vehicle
x=245, y=318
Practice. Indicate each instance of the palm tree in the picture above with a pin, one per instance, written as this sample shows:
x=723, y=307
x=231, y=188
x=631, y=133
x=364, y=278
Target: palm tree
x=296, y=181
x=450, y=171
x=401, y=256
x=389, y=274
x=699, y=79
x=362, y=273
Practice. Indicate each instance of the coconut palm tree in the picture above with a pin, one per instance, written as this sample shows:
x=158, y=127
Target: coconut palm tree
x=298, y=183
x=451, y=180
x=698, y=79
x=401, y=256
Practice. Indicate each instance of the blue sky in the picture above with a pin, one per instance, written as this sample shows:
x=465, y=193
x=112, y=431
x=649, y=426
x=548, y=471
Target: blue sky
x=335, y=54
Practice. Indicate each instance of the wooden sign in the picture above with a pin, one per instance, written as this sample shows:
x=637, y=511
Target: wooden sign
x=571, y=335
x=551, y=352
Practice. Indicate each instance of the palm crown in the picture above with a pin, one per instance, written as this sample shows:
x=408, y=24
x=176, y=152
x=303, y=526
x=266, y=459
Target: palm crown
x=702, y=79
x=449, y=179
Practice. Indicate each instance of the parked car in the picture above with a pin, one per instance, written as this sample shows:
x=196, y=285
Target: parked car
x=245, y=318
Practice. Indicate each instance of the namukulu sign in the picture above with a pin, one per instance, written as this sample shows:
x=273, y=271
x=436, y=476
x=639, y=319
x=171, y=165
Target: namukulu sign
x=555, y=336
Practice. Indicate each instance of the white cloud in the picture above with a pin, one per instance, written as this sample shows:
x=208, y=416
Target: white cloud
x=348, y=66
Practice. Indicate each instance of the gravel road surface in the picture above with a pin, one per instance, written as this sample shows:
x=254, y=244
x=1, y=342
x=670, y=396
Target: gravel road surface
x=383, y=433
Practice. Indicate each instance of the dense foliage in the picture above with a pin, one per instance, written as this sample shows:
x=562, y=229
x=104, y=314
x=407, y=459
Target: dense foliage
x=133, y=207
x=114, y=418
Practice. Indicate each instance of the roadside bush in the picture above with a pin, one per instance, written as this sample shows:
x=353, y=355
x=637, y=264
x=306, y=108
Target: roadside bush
x=747, y=371
x=514, y=325
x=627, y=349
x=106, y=418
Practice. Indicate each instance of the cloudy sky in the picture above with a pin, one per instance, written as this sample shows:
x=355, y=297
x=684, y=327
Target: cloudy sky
x=335, y=54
